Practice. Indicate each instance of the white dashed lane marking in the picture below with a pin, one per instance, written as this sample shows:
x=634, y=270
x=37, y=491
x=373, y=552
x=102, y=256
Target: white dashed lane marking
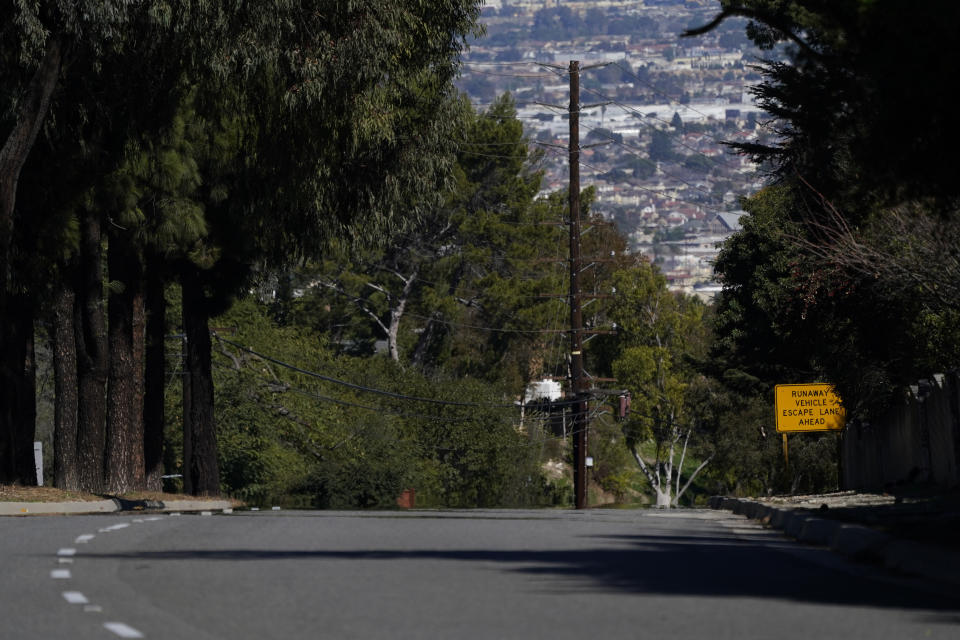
x=122, y=630
x=75, y=597
x=65, y=555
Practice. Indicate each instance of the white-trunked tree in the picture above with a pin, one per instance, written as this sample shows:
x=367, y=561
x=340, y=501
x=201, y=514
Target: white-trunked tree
x=658, y=331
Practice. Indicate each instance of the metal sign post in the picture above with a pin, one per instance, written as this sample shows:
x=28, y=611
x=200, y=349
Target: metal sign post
x=803, y=408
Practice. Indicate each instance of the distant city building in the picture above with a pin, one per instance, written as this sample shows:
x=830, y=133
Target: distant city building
x=651, y=82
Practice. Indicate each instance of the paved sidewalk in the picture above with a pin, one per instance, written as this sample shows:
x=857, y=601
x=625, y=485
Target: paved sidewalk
x=918, y=536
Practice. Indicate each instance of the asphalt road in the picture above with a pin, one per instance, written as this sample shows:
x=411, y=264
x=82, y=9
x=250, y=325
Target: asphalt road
x=468, y=574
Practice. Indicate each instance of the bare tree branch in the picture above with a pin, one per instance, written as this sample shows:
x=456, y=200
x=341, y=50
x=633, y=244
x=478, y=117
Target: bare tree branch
x=360, y=302
x=904, y=246
x=654, y=481
x=237, y=360
x=692, y=478
x=772, y=21
x=683, y=455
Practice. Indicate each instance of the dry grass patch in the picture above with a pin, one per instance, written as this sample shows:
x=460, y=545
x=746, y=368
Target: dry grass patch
x=17, y=493
x=174, y=497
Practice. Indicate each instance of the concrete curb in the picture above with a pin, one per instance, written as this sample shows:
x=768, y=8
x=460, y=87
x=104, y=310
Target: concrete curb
x=197, y=505
x=47, y=508
x=853, y=540
x=113, y=505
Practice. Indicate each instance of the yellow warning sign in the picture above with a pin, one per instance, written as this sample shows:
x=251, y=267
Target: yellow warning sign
x=808, y=407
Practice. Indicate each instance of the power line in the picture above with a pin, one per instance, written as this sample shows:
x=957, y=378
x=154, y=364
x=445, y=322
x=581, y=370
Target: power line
x=698, y=205
x=492, y=329
x=516, y=116
x=486, y=155
x=630, y=109
x=674, y=135
x=560, y=74
x=355, y=405
x=636, y=152
x=650, y=85
x=358, y=387
x=498, y=63
x=537, y=416
x=467, y=290
x=492, y=144
x=511, y=75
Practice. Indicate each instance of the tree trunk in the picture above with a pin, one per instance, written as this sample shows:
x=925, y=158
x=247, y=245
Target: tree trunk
x=17, y=392
x=17, y=401
x=202, y=468
x=124, y=470
x=396, y=314
x=154, y=379
x=187, y=409
x=16, y=148
x=431, y=339
x=431, y=335
x=92, y=358
x=393, y=332
x=65, y=472
x=27, y=409
x=663, y=496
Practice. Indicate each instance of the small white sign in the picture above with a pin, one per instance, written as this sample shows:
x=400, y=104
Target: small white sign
x=589, y=461
x=38, y=461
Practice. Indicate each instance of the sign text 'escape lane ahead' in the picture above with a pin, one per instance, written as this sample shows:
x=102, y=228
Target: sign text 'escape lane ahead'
x=808, y=407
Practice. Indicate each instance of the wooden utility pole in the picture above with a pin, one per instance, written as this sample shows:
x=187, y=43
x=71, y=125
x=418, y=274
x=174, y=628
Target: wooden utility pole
x=577, y=378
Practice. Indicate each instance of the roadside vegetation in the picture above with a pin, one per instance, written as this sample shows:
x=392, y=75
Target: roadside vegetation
x=274, y=271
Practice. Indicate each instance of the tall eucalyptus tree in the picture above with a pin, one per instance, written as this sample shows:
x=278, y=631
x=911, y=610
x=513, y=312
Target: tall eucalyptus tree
x=338, y=112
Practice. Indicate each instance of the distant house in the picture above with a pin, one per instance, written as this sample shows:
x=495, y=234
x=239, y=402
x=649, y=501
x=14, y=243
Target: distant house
x=678, y=279
x=676, y=219
x=725, y=223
